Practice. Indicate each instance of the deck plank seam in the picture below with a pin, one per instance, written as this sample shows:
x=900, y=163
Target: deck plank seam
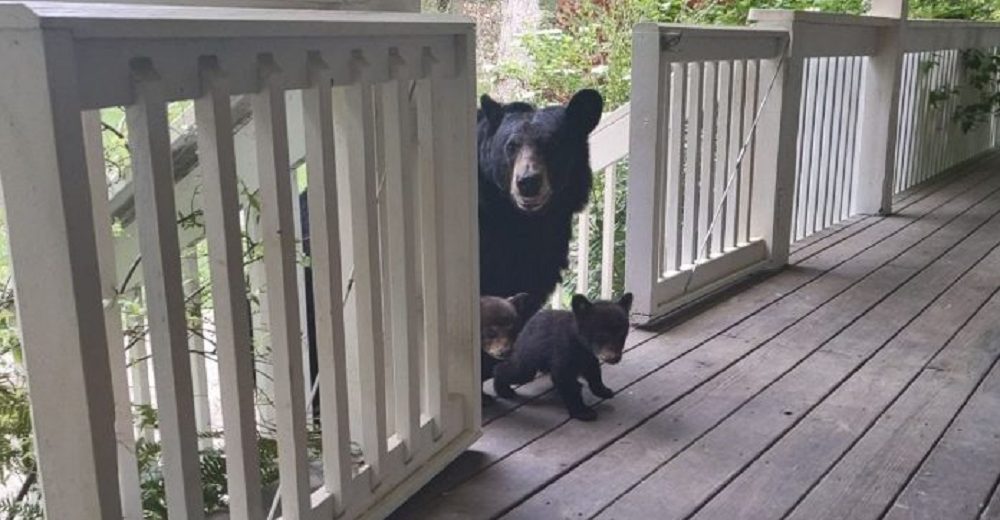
x=929, y=211
x=966, y=171
x=875, y=220
x=810, y=353
x=937, y=440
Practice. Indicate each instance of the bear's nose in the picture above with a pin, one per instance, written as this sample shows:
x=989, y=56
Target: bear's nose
x=530, y=184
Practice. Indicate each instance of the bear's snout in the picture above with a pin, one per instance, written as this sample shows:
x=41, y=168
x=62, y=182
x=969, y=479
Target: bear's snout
x=609, y=356
x=530, y=184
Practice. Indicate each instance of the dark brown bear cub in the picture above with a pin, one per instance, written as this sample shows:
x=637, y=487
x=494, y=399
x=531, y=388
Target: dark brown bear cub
x=500, y=321
x=569, y=345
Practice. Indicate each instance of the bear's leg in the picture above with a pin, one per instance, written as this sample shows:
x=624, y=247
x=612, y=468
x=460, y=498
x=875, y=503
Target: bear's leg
x=510, y=373
x=592, y=373
x=569, y=390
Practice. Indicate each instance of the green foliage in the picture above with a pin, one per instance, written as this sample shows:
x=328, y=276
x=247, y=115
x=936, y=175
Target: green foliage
x=955, y=9
x=982, y=79
x=588, y=44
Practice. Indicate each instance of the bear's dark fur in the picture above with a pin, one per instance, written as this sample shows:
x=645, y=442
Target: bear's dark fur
x=534, y=174
x=499, y=324
x=569, y=345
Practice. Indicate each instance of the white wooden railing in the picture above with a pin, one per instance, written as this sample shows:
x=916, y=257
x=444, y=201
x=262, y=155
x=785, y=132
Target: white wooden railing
x=845, y=122
x=63, y=63
x=695, y=97
x=930, y=140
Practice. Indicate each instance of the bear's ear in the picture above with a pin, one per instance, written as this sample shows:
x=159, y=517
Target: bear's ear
x=492, y=110
x=581, y=305
x=521, y=303
x=584, y=110
x=625, y=302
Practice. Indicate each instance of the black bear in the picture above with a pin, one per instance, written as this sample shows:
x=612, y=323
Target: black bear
x=534, y=174
x=499, y=324
x=569, y=345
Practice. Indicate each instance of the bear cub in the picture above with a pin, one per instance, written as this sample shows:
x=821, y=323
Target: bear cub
x=500, y=321
x=569, y=345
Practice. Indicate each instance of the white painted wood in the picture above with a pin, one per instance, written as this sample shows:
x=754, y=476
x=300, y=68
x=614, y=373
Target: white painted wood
x=723, y=168
x=774, y=181
x=806, y=146
x=709, y=146
x=399, y=145
x=682, y=287
x=879, y=113
x=128, y=469
x=820, y=142
x=278, y=230
x=300, y=270
x=699, y=43
x=583, y=251
x=433, y=274
x=354, y=129
x=454, y=146
x=692, y=166
x=217, y=161
x=57, y=278
x=608, y=233
x=609, y=142
x=647, y=237
x=353, y=5
x=736, y=140
x=149, y=143
x=751, y=106
x=324, y=228
x=672, y=178
x=444, y=53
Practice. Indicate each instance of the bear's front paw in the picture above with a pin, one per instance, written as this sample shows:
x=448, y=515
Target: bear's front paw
x=583, y=414
x=487, y=399
x=603, y=392
x=504, y=391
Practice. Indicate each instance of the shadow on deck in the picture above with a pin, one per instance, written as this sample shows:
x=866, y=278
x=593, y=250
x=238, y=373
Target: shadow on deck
x=859, y=383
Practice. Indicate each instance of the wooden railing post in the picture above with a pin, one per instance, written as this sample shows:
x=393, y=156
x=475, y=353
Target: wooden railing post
x=57, y=277
x=776, y=146
x=644, y=240
x=879, y=114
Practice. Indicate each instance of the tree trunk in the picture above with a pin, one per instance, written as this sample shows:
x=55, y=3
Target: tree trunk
x=518, y=17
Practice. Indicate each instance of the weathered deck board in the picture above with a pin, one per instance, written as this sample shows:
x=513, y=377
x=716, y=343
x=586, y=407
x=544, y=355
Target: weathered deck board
x=773, y=483
x=869, y=303
x=957, y=478
x=702, y=467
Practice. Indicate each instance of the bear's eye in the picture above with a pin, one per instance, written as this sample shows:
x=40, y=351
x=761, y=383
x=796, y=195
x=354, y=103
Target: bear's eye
x=512, y=147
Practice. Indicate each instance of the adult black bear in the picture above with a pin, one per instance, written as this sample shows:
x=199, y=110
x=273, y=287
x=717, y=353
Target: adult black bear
x=534, y=174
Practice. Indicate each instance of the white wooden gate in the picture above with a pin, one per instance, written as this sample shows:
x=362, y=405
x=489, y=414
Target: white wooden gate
x=695, y=97
x=843, y=122
x=63, y=62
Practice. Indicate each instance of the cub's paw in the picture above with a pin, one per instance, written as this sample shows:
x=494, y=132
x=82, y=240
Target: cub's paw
x=487, y=399
x=603, y=392
x=504, y=391
x=583, y=414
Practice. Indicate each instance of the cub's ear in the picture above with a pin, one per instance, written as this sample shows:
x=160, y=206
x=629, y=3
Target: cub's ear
x=522, y=303
x=581, y=305
x=492, y=110
x=584, y=110
x=625, y=301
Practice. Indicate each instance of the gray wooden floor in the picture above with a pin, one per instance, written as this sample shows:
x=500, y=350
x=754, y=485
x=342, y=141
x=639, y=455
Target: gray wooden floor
x=859, y=383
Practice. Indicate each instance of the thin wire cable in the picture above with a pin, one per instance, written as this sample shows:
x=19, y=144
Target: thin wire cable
x=703, y=249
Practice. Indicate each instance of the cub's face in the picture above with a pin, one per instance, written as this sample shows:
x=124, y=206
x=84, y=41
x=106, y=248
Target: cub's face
x=531, y=154
x=500, y=322
x=603, y=325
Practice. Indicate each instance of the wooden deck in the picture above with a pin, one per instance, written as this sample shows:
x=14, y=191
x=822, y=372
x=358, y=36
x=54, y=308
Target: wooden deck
x=861, y=382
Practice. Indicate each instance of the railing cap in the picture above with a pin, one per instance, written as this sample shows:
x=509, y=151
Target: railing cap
x=818, y=17
x=90, y=20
